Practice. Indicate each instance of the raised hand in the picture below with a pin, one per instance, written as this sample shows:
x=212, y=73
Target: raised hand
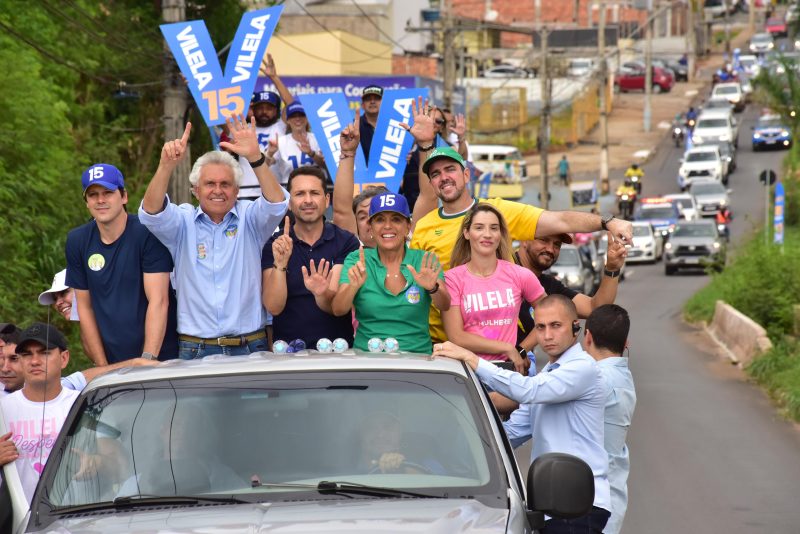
x=429, y=270
x=358, y=272
x=282, y=247
x=173, y=151
x=304, y=144
x=621, y=230
x=273, y=145
x=423, y=129
x=317, y=279
x=267, y=67
x=350, y=136
x=460, y=128
x=245, y=141
x=615, y=256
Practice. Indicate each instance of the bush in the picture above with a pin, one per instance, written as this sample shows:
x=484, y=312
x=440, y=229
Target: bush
x=779, y=372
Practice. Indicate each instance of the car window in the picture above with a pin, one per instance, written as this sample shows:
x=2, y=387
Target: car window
x=769, y=123
x=701, y=156
x=707, y=189
x=568, y=258
x=712, y=123
x=684, y=203
x=657, y=213
x=726, y=90
x=641, y=231
x=694, y=230
x=201, y=436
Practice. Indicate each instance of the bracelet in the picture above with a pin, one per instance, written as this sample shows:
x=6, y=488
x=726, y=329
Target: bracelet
x=522, y=352
x=345, y=155
x=427, y=148
x=284, y=269
x=259, y=162
x=434, y=290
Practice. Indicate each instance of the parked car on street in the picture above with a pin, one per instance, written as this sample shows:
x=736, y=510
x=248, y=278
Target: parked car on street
x=507, y=71
x=776, y=26
x=304, y=442
x=634, y=80
x=681, y=71
x=580, y=66
x=694, y=244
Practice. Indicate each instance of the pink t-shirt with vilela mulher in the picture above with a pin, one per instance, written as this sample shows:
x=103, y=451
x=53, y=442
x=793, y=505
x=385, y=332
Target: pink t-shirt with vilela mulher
x=490, y=305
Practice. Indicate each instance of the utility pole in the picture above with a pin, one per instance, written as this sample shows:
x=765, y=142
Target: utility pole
x=544, y=121
x=751, y=19
x=691, y=40
x=648, y=67
x=728, y=27
x=448, y=53
x=175, y=105
x=602, y=65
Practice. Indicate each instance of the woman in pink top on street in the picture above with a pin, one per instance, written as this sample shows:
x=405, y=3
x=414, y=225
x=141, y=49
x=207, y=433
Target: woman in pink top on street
x=486, y=290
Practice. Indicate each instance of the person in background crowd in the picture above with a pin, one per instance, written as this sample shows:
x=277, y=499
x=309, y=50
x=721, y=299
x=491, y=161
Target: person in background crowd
x=352, y=214
x=301, y=267
x=371, y=97
x=457, y=133
x=486, y=290
x=216, y=246
x=297, y=148
x=9, y=337
x=392, y=285
x=61, y=297
x=121, y=276
x=563, y=170
x=438, y=230
x=605, y=340
x=411, y=188
x=561, y=408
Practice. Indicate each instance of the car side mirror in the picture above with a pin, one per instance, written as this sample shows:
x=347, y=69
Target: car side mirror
x=559, y=485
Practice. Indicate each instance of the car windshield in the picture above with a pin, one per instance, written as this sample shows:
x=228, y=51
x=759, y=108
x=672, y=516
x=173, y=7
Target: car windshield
x=694, y=230
x=708, y=189
x=254, y=436
x=717, y=103
x=702, y=155
x=769, y=123
x=747, y=61
x=712, y=123
x=761, y=38
x=683, y=203
x=657, y=213
x=580, y=64
x=726, y=90
x=568, y=257
x=641, y=231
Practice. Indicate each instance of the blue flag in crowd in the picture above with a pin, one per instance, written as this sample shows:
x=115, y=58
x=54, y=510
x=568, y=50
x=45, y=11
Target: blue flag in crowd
x=218, y=96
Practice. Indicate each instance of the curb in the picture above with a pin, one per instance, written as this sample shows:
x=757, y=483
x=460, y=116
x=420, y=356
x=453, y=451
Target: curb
x=741, y=338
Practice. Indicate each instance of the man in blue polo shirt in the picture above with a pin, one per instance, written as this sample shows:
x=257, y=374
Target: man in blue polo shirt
x=301, y=266
x=120, y=273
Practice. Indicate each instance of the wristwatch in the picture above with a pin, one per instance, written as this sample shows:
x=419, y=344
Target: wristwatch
x=522, y=352
x=149, y=356
x=612, y=274
x=604, y=220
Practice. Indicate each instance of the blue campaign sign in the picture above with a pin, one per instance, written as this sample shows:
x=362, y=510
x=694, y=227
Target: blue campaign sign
x=391, y=142
x=219, y=96
x=328, y=114
x=780, y=202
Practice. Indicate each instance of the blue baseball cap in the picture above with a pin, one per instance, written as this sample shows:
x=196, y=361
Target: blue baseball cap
x=294, y=108
x=389, y=202
x=103, y=174
x=266, y=97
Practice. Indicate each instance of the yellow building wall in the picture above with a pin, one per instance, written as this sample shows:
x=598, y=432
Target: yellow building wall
x=329, y=54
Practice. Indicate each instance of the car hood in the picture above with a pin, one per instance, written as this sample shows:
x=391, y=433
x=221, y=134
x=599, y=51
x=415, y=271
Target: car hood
x=642, y=241
x=709, y=199
x=771, y=130
x=358, y=515
x=699, y=165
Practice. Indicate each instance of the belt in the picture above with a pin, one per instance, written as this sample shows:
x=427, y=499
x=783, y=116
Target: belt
x=226, y=341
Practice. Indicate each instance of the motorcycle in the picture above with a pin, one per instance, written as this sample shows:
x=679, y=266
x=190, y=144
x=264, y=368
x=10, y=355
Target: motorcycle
x=690, y=126
x=723, y=231
x=678, y=135
x=625, y=203
x=637, y=183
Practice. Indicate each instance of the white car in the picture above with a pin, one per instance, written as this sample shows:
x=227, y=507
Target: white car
x=648, y=245
x=761, y=43
x=701, y=163
x=506, y=71
x=710, y=196
x=686, y=205
x=750, y=64
x=715, y=127
x=732, y=91
x=580, y=67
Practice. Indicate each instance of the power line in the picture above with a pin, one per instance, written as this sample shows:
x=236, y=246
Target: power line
x=320, y=58
x=380, y=30
x=321, y=25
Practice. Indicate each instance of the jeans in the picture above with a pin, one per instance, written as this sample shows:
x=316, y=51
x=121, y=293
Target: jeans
x=188, y=350
x=591, y=523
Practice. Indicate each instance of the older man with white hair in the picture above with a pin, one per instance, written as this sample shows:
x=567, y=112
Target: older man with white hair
x=217, y=246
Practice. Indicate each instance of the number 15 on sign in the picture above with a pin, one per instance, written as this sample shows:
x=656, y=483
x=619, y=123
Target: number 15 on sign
x=228, y=101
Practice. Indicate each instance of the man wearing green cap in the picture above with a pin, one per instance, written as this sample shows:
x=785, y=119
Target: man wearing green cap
x=438, y=230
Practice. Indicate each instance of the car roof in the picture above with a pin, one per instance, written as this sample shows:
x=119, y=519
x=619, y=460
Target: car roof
x=715, y=113
x=268, y=362
x=727, y=84
x=642, y=223
x=704, y=182
x=678, y=196
x=703, y=148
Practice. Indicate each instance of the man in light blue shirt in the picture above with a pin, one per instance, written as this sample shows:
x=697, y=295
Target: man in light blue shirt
x=561, y=407
x=217, y=246
x=606, y=338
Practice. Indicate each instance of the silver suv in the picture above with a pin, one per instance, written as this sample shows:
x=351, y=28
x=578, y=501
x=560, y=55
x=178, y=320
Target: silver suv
x=310, y=441
x=694, y=244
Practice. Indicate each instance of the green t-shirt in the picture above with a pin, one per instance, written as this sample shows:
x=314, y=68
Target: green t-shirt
x=381, y=314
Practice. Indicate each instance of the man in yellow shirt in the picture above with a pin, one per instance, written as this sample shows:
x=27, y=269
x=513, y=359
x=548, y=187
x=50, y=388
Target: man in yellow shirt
x=438, y=230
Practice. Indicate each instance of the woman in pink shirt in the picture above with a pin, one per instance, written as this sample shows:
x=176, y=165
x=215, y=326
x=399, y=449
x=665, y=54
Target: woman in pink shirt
x=486, y=290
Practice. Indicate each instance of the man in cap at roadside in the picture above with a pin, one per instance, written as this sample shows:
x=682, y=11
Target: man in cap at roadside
x=120, y=273
x=371, y=98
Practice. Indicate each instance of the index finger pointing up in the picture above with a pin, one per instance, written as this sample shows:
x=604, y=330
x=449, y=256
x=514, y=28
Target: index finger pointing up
x=186, y=131
x=287, y=225
x=361, y=253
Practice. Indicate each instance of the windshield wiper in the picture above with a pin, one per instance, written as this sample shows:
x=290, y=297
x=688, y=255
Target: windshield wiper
x=343, y=488
x=148, y=500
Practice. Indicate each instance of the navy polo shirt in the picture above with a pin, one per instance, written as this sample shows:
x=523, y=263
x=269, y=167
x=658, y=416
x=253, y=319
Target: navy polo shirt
x=301, y=318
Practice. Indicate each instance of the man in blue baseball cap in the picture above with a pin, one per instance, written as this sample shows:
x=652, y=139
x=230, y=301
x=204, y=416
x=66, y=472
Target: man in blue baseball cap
x=120, y=273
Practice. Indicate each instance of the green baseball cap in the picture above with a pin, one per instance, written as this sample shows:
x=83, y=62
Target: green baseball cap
x=443, y=152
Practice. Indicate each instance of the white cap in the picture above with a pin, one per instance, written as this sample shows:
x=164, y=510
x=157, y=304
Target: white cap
x=46, y=298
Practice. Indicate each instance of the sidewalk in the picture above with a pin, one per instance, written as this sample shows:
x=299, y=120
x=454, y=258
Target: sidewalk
x=628, y=142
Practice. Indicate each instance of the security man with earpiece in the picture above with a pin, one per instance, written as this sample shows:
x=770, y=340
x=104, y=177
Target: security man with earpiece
x=561, y=408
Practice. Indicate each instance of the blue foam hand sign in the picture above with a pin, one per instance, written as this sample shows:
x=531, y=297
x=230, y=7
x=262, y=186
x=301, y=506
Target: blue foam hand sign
x=219, y=96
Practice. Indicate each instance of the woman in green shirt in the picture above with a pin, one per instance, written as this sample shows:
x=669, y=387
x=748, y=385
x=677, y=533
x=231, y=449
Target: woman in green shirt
x=391, y=286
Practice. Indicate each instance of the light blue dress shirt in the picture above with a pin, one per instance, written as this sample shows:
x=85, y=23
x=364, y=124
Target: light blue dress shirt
x=620, y=403
x=561, y=408
x=217, y=274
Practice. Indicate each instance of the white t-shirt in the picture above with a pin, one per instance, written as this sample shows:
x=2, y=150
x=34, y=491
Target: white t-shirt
x=265, y=133
x=289, y=156
x=249, y=188
x=34, y=427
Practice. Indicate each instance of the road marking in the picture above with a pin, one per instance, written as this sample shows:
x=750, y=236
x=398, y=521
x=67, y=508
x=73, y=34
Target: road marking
x=664, y=125
x=690, y=93
x=641, y=154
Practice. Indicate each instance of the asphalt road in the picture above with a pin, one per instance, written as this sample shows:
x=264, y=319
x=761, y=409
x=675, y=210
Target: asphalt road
x=709, y=453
